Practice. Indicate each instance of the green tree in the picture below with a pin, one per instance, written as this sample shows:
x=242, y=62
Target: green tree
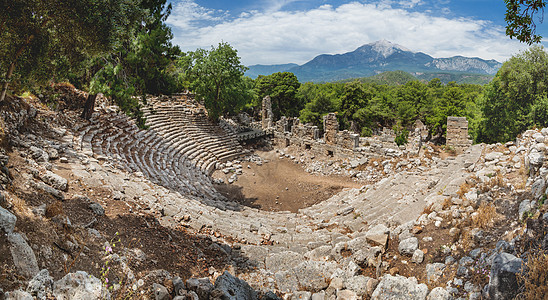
x=282, y=87
x=452, y=103
x=413, y=102
x=217, y=77
x=509, y=99
x=355, y=97
x=41, y=36
x=520, y=19
x=315, y=110
x=141, y=60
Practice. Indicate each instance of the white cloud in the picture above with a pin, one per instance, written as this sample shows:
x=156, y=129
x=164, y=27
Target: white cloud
x=410, y=3
x=273, y=37
x=187, y=15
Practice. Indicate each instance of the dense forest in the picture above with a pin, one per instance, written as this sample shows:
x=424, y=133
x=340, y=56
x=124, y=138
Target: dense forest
x=123, y=49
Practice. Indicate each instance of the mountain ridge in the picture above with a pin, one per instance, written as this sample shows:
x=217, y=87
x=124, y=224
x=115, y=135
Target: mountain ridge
x=375, y=58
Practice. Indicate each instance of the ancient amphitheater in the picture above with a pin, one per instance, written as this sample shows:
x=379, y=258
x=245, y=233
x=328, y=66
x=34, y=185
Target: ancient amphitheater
x=339, y=248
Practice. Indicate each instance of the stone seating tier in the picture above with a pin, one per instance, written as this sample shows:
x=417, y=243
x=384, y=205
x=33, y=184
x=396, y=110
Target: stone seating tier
x=147, y=152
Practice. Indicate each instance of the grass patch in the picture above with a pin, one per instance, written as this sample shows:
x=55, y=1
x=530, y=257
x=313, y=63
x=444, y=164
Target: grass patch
x=466, y=239
x=463, y=189
x=487, y=214
x=533, y=277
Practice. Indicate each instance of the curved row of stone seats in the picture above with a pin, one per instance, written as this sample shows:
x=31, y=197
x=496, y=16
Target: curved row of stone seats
x=157, y=158
x=241, y=133
x=184, y=123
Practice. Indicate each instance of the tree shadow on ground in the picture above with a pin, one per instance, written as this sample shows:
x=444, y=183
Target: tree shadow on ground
x=235, y=193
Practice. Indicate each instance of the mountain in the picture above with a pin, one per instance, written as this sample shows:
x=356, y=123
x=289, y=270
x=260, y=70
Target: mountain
x=375, y=58
x=256, y=70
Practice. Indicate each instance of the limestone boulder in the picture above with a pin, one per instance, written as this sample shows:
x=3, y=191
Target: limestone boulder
x=22, y=255
x=283, y=261
x=357, y=284
x=538, y=188
x=502, y=278
x=312, y=275
x=492, y=156
x=56, y=181
x=378, y=235
x=439, y=293
x=228, y=287
x=525, y=207
x=408, y=246
x=434, y=272
x=399, y=287
x=201, y=286
x=40, y=285
x=7, y=220
x=79, y=285
x=536, y=158
x=38, y=154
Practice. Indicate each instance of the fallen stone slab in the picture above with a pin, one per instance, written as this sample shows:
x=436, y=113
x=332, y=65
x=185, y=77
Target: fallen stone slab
x=283, y=261
x=23, y=256
x=378, y=235
x=54, y=180
x=47, y=189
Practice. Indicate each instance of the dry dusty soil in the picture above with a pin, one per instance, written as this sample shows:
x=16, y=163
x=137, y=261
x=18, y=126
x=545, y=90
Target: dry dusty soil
x=280, y=185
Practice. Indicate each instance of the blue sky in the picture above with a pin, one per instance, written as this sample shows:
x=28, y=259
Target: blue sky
x=292, y=31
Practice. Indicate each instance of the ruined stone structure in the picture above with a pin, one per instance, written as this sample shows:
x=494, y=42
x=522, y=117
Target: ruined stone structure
x=266, y=113
x=457, y=134
x=290, y=131
x=347, y=139
x=416, y=138
x=331, y=126
x=305, y=131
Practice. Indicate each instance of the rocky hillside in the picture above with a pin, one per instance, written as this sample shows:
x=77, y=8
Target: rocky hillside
x=77, y=221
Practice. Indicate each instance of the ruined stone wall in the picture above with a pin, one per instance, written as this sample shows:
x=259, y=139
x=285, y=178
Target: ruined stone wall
x=290, y=131
x=416, y=138
x=284, y=124
x=266, y=113
x=347, y=139
x=331, y=127
x=457, y=134
x=305, y=131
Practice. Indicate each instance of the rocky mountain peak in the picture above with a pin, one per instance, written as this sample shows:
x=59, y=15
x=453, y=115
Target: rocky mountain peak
x=384, y=48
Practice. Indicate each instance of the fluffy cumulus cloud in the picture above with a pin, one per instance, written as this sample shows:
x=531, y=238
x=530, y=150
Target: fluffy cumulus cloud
x=276, y=36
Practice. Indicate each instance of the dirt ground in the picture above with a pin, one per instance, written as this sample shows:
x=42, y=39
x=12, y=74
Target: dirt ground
x=280, y=185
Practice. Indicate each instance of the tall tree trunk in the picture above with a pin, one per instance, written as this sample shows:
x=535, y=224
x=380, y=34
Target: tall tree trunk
x=6, y=82
x=12, y=67
x=89, y=106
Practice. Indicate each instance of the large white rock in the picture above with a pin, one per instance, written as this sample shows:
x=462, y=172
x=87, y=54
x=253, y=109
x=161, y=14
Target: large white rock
x=492, y=156
x=439, y=293
x=22, y=255
x=399, y=287
x=79, y=285
x=408, y=246
x=55, y=181
x=536, y=158
x=7, y=220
